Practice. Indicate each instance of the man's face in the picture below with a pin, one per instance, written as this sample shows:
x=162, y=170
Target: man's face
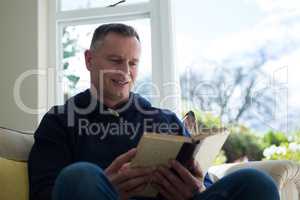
x=113, y=66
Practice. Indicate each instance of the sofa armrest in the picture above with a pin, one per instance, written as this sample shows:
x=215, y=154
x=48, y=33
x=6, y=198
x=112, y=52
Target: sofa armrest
x=15, y=145
x=286, y=174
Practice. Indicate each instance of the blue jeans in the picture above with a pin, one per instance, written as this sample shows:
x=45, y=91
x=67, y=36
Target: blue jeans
x=86, y=181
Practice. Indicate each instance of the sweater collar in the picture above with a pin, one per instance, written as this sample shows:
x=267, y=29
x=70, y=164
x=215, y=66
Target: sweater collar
x=85, y=100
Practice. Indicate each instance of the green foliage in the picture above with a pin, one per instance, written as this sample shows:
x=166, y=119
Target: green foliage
x=205, y=119
x=66, y=65
x=243, y=145
x=69, y=44
x=295, y=136
x=270, y=146
x=208, y=120
x=285, y=151
x=70, y=48
x=274, y=138
x=220, y=159
x=277, y=146
x=73, y=80
x=68, y=54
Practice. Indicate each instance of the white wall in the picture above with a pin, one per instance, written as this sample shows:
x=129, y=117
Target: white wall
x=18, y=53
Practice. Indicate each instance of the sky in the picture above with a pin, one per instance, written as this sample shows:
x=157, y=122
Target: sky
x=217, y=30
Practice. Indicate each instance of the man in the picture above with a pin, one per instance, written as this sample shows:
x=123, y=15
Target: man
x=83, y=149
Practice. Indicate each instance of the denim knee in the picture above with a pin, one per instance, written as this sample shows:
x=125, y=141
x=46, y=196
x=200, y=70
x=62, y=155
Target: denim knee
x=244, y=184
x=259, y=183
x=83, y=180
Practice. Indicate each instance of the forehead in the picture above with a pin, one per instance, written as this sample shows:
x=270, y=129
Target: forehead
x=119, y=44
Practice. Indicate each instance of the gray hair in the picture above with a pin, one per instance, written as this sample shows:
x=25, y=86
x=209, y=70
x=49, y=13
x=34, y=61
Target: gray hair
x=122, y=29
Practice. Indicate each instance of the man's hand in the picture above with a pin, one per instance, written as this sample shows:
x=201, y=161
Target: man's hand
x=180, y=187
x=128, y=181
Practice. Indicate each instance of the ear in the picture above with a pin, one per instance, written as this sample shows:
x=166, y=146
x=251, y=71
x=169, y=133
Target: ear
x=88, y=59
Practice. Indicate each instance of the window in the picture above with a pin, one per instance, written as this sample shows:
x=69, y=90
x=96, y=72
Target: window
x=239, y=60
x=72, y=24
x=86, y=4
x=238, y=63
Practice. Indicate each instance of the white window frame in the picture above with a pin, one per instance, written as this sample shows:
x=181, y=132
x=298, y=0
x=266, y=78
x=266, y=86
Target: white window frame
x=162, y=41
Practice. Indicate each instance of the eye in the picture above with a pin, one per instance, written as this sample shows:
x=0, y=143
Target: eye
x=115, y=61
x=133, y=64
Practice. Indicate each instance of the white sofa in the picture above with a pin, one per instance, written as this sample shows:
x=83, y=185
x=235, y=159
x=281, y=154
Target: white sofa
x=286, y=175
x=15, y=146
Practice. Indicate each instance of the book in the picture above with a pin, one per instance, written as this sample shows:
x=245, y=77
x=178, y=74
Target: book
x=157, y=149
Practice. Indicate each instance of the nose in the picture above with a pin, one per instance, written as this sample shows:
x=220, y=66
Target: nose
x=125, y=68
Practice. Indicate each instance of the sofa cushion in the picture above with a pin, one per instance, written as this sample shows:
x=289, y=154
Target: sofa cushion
x=13, y=180
x=15, y=145
x=289, y=191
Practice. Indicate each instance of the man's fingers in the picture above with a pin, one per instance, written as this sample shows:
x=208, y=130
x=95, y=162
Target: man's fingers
x=195, y=184
x=163, y=192
x=186, y=176
x=124, y=175
x=176, y=181
x=134, y=183
x=120, y=161
x=194, y=167
x=167, y=186
x=125, y=167
x=136, y=190
x=196, y=170
x=171, y=177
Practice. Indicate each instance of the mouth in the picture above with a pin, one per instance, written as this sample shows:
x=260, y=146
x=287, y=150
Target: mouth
x=120, y=83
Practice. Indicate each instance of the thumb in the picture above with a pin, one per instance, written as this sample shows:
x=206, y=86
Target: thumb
x=120, y=161
x=197, y=171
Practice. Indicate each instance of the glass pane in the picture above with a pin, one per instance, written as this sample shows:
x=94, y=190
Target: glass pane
x=84, y=4
x=240, y=61
x=76, y=39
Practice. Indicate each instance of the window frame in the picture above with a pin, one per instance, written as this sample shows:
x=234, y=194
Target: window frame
x=162, y=42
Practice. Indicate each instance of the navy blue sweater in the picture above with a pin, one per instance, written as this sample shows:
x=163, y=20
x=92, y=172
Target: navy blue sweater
x=83, y=129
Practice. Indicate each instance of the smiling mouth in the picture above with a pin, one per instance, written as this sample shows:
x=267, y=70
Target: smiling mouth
x=120, y=83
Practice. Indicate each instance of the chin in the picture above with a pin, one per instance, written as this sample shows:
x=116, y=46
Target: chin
x=121, y=95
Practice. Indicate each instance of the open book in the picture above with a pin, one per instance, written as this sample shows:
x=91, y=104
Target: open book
x=157, y=149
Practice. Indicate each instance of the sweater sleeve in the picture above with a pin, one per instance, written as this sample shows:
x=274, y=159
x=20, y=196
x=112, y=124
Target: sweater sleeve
x=49, y=155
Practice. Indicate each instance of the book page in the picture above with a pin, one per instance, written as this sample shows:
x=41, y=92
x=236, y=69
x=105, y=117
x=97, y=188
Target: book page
x=153, y=151
x=208, y=149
